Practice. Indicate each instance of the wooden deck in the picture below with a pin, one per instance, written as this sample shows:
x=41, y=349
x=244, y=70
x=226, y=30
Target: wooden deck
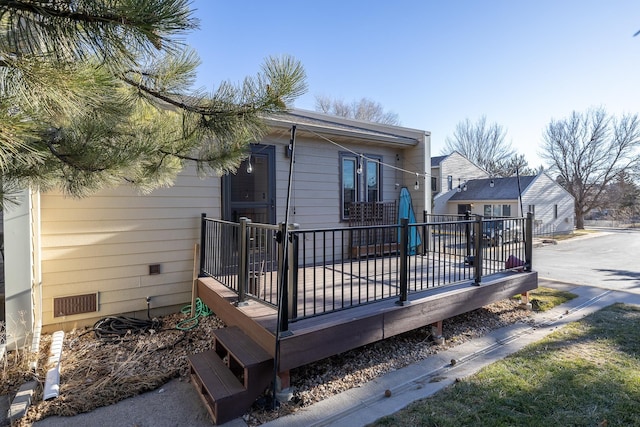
x=315, y=338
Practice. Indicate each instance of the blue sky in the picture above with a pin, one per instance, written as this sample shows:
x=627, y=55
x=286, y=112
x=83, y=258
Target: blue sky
x=520, y=63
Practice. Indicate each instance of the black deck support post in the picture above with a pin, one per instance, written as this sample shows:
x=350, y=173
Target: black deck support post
x=477, y=246
x=528, y=242
x=292, y=274
x=203, y=240
x=404, y=264
x=426, y=231
x=283, y=300
x=243, y=261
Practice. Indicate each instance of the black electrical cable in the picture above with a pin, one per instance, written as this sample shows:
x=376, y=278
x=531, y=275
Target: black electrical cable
x=120, y=329
x=115, y=328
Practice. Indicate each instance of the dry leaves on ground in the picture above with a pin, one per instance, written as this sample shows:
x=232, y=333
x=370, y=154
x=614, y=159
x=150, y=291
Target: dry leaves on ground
x=96, y=373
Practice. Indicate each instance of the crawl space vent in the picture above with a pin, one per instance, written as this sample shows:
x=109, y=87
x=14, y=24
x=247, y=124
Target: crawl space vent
x=76, y=304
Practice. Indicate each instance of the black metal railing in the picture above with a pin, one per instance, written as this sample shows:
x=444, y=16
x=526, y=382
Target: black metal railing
x=242, y=256
x=324, y=273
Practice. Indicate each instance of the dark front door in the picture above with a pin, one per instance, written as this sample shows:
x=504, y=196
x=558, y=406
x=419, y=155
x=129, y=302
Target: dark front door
x=463, y=208
x=250, y=192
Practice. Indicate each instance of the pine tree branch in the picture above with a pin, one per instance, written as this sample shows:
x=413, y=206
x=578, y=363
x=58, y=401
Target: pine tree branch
x=180, y=156
x=44, y=10
x=243, y=109
x=66, y=159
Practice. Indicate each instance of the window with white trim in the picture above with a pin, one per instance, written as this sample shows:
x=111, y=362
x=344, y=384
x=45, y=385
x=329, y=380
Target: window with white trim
x=497, y=210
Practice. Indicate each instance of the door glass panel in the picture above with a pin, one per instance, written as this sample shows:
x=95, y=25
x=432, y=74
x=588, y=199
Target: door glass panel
x=348, y=185
x=249, y=192
x=254, y=186
x=372, y=181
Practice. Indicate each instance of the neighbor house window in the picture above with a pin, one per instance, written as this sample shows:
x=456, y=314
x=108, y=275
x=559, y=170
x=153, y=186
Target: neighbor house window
x=434, y=184
x=532, y=209
x=555, y=211
x=449, y=182
x=497, y=210
x=360, y=180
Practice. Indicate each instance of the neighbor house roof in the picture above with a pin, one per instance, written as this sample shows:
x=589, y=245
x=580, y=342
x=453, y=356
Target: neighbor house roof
x=435, y=161
x=503, y=189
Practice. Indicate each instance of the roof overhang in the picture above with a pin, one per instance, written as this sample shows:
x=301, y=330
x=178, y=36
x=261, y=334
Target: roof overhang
x=346, y=129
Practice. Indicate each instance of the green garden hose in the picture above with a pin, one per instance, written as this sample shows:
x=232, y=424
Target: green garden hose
x=201, y=311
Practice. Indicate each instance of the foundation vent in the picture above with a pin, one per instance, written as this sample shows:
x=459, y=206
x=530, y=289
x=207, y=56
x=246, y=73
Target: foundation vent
x=76, y=304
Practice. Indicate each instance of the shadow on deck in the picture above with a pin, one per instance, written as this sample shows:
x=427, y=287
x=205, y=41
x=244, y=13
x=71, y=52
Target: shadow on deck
x=323, y=336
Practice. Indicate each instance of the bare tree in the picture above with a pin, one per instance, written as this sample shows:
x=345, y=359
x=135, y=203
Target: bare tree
x=514, y=165
x=481, y=142
x=365, y=109
x=589, y=150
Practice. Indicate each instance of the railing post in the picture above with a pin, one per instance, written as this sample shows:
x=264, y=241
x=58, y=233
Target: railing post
x=292, y=276
x=404, y=264
x=467, y=232
x=243, y=260
x=203, y=240
x=528, y=243
x=283, y=273
x=477, y=246
x=426, y=232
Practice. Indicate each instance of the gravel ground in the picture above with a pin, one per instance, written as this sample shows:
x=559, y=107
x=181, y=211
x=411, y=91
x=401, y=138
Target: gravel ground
x=317, y=381
x=96, y=373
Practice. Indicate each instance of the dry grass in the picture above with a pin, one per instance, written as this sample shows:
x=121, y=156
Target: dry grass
x=16, y=365
x=97, y=373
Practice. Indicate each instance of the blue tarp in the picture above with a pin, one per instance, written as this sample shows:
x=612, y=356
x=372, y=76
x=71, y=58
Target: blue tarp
x=405, y=210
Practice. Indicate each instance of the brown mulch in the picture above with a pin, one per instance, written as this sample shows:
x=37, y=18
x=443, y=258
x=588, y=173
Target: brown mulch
x=96, y=372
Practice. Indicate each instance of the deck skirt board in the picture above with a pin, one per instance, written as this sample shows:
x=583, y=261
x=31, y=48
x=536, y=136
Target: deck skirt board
x=325, y=335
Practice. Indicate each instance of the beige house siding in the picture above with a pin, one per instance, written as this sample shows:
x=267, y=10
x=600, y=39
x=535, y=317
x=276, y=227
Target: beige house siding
x=315, y=195
x=415, y=159
x=105, y=244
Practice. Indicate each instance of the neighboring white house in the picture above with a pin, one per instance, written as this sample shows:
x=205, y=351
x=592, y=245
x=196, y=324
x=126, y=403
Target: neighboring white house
x=551, y=205
x=103, y=246
x=448, y=173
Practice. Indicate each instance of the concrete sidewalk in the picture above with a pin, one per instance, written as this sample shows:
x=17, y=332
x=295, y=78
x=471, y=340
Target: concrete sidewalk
x=177, y=404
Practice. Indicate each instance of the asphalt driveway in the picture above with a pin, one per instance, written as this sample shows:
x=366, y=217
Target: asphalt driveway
x=609, y=259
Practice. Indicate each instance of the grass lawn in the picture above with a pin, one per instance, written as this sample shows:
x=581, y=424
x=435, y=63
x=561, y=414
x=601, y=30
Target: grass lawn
x=543, y=299
x=585, y=374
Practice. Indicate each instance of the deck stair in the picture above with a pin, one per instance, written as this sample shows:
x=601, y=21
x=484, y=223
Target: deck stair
x=232, y=375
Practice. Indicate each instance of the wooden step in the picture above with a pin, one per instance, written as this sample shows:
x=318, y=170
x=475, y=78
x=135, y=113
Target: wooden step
x=232, y=375
x=214, y=382
x=242, y=355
